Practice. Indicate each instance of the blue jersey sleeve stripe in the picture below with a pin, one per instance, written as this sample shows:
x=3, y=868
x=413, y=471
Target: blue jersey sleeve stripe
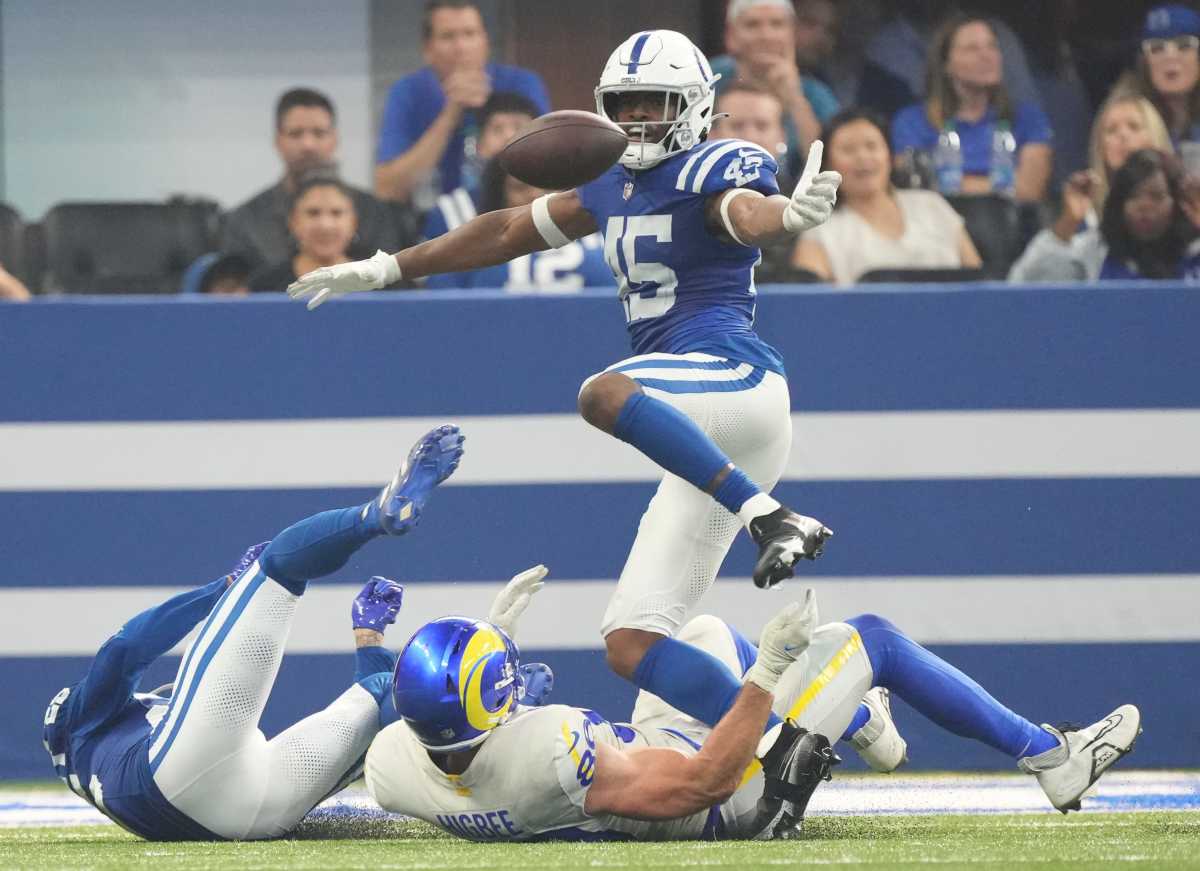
x=711, y=160
x=701, y=151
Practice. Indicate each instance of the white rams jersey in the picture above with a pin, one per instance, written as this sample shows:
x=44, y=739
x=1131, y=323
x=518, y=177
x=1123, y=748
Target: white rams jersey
x=528, y=781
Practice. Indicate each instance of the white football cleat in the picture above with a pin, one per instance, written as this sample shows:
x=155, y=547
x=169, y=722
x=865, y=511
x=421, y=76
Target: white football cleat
x=878, y=742
x=1067, y=771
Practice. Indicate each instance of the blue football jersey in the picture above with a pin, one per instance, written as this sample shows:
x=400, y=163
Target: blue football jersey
x=570, y=268
x=684, y=289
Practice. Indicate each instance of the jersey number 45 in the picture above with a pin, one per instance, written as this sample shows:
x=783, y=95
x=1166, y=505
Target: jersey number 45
x=646, y=287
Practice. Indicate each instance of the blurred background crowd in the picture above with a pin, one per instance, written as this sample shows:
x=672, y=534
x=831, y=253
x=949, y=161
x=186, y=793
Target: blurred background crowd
x=1033, y=140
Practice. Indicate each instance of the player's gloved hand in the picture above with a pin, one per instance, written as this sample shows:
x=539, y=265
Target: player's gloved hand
x=784, y=638
x=377, y=604
x=325, y=283
x=512, y=601
x=816, y=192
x=245, y=562
x=537, y=680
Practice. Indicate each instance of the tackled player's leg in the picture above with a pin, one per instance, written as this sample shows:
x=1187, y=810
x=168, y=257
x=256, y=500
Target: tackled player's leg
x=207, y=755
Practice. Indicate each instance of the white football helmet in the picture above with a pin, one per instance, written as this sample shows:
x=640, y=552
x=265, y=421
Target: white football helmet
x=667, y=62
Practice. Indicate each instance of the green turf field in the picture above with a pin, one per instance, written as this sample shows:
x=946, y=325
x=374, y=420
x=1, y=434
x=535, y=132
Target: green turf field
x=1090, y=840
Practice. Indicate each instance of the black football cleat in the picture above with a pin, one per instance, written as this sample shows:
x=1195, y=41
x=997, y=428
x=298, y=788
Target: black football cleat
x=793, y=768
x=784, y=537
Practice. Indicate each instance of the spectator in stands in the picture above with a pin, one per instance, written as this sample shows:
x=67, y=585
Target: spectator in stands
x=499, y=120
x=1150, y=220
x=323, y=222
x=307, y=140
x=11, y=288
x=1072, y=249
x=816, y=37
x=874, y=225
x=578, y=264
x=218, y=274
x=430, y=134
x=894, y=69
x=746, y=111
x=966, y=97
x=1168, y=70
x=760, y=38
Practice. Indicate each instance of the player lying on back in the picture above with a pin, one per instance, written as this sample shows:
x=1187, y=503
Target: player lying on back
x=468, y=760
x=704, y=397
x=191, y=763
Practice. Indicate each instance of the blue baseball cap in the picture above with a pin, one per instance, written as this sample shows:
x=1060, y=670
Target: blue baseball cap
x=1164, y=22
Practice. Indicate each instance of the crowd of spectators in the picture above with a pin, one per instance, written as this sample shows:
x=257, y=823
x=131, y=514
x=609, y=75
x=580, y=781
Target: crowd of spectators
x=950, y=128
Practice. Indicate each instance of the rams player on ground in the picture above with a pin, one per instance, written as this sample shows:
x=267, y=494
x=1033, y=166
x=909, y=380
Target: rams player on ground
x=704, y=397
x=468, y=760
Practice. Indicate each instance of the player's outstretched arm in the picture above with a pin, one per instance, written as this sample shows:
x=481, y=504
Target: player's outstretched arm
x=653, y=783
x=749, y=218
x=661, y=784
x=488, y=239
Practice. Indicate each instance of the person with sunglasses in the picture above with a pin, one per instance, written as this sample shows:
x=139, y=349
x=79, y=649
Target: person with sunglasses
x=1168, y=71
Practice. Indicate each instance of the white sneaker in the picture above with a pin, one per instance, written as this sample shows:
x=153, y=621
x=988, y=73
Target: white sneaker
x=1067, y=771
x=878, y=742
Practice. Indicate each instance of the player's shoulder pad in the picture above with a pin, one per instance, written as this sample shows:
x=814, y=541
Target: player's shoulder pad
x=727, y=163
x=575, y=750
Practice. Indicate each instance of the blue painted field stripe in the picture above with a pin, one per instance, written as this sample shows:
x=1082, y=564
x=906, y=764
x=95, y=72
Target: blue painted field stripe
x=953, y=528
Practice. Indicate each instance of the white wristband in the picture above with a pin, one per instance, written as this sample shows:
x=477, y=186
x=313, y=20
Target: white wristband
x=729, y=197
x=554, y=237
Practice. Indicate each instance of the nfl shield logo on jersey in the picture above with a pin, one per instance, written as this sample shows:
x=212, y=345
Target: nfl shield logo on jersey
x=627, y=192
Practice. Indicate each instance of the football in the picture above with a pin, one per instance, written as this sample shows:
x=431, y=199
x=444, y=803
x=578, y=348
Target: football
x=564, y=149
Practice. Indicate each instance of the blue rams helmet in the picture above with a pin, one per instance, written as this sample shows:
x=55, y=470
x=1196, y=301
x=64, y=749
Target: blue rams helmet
x=455, y=681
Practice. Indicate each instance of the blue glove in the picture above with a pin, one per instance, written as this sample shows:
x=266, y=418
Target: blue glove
x=538, y=681
x=377, y=604
x=245, y=562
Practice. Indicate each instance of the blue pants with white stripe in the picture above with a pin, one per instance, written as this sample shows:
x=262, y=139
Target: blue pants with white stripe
x=208, y=756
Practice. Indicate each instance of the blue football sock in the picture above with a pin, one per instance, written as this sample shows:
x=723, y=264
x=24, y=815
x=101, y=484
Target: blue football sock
x=943, y=693
x=690, y=680
x=670, y=438
x=315, y=547
x=860, y=719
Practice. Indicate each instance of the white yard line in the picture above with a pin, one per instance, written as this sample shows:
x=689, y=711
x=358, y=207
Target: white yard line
x=846, y=795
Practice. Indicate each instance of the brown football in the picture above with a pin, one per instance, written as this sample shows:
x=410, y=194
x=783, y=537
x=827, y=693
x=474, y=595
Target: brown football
x=564, y=149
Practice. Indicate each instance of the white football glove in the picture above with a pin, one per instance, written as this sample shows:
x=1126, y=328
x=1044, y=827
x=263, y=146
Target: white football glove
x=325, y=283
x=512, y=601
x=784, y=638
x=816, y=192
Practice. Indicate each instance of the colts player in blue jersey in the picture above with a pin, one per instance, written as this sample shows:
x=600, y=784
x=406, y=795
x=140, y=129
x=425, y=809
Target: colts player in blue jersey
x=704, y=397
x=191, y=763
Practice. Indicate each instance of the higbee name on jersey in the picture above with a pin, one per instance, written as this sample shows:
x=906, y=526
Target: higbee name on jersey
x=509, y=792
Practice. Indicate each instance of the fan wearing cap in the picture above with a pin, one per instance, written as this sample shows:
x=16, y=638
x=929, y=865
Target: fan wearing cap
x=1167, y=71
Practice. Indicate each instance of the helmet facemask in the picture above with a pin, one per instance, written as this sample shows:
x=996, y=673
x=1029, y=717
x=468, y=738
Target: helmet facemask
x=686, y=117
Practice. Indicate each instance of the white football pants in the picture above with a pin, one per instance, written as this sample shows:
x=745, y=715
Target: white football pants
x=208, y=756
x=684, y=535
x=820, y=691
